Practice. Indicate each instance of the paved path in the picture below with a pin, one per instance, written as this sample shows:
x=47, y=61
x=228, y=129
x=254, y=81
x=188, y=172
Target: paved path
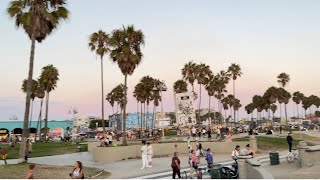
x=121, y=169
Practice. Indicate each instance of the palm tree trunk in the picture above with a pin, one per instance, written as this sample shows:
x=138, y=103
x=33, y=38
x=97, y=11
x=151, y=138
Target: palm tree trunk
x=199, y=103
x=138, y=112
x=209, y=123
x=124, y=140
x=39, y=120
x=46, y=119
x=147, y=117
x=234, y=95
x=23, y=145
x=144, y=116
x=280, y=111
x=154, y=109
x=297, y=110
x=141, y=117
x=285, y=110
x=102, y=100
x=30, y=120
x=219, y=106
x=272, y=118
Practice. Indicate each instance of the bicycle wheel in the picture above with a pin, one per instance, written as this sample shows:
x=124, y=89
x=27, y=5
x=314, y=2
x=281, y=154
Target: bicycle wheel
x=290, y=158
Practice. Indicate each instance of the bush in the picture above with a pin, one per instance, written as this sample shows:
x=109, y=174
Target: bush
x=170, y=133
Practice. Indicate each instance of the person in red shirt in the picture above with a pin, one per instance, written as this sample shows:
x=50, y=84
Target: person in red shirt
x=175, y=164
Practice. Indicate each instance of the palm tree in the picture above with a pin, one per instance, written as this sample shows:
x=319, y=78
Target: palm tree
x=189, y=73
x=49, y=77
x=126, y=51
x=202, y=73
x=225, y=104
x=297, y=98
x=139, y=94
x=148, y=83
x=210, y=87
x=40, y=93
x=249, y=109
x=273, y=108
x=221, y=81
x=110, y=98
x=38, y=19
x=235, y=72
x=180, y=86
x=236, y=106
x=98, y=42
x=284, y=97
x=34, y=88
x=283, y=79
x=156, y=97
x=306, y=103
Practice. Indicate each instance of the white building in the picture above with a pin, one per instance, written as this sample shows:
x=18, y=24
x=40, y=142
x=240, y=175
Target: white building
x=185, y=113
x=162, y=120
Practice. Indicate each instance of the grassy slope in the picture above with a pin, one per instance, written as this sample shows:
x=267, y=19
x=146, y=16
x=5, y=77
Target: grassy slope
x=19, y=171
x=44, y=149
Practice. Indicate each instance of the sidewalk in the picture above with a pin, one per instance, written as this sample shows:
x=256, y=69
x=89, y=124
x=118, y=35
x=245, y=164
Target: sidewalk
x=123, y=169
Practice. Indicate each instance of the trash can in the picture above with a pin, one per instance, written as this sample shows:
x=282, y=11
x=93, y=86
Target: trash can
x=215, y=171
x=274, y=158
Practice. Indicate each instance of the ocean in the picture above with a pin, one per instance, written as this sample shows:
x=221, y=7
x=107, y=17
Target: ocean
x=12, y=124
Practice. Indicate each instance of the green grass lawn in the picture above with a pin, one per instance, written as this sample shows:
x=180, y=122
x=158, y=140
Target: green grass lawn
x=40, y=149
x=19, y=171
x=271, y=143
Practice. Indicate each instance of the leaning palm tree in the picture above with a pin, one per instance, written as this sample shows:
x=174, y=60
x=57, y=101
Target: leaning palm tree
x=98, y=42
x=34, y=88
x=38, y=19
x=189, y=73
x=126, y=51
x=235, y=72
x=49, y=77
x=180, y=86
x=202, y=73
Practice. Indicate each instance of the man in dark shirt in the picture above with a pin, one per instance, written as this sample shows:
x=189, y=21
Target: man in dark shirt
x=175, y=164
x=289, y=141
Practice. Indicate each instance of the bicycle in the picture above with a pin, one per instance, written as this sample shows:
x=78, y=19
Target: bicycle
x=292, y=156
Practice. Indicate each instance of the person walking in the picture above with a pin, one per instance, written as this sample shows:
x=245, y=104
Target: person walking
x=289, y=141
x=193, y=132
x=3, y=153
x=30, y=171
x=209, y=134
x=280, y=130
x=218, y=133
x=149, y=154
x=77, y=172
x=194, y=163
x=144, y=155
x=209, y=158
x=175, y=164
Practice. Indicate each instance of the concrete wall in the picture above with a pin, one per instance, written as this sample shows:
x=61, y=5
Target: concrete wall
x=258, y=172
x=250, y=168
x=111, y=154
x=312, y=155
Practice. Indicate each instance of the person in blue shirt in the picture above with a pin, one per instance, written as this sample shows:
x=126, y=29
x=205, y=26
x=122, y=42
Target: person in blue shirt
x=209, y=158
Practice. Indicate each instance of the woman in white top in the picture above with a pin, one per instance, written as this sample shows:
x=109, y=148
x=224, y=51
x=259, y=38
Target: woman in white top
x=77, y=172
x=150, y=154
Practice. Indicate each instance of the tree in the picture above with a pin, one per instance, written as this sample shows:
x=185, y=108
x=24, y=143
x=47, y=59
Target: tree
x=211, y=89
x=297, y=98
x=40, y=93
x=38, y=19
x=235, y=72
x=221, y=81
x=249, y=109
x=49, y=77
x=283, y=79
x=98, y=43
x=180, y=86
x=140, y=95
x=273, y=108
x=126, y=52
x=189, y=73
x=202, y=73
x=34, y=88
x=306, y=103
x=284, y=97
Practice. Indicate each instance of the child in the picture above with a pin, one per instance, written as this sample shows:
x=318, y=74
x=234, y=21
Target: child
x=30, y=172
x=3, y=154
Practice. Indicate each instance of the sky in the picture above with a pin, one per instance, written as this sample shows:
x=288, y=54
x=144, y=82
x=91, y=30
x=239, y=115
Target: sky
x=265, y=37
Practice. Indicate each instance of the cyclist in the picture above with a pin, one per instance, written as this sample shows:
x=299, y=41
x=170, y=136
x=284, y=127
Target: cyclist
x=289, y=141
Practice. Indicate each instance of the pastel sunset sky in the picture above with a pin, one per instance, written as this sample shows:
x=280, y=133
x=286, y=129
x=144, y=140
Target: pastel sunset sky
x=265, y=37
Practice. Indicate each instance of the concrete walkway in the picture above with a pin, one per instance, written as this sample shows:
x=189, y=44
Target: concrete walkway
x=122, y=169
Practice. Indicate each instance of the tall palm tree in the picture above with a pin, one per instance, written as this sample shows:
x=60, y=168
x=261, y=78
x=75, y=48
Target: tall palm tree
x=202, y=73
x=221, y=81
x=148, y=85
x=236, y=106
x=40, y=94
x=180, y=86
x=284, y=97
x=210, y=87
x=297, y=98
x=98, y=43
x=283, y=79
x=140, y=95
x=306, y=103
x=189, y=73
x=156, y=97
x=225, y=104
x=49, y=77
x=110, y=98
x=34, y=88
x=273, y=108
x=249, y=109
x=235, y=72
x=38, y=19
x=126, y=51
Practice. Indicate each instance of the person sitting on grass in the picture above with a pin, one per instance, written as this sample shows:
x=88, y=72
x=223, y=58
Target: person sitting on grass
x=30, y=171
x=77, y=172
x=3, y=155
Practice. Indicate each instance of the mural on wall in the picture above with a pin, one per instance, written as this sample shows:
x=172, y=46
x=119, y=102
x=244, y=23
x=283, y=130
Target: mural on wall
x=185, y=113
